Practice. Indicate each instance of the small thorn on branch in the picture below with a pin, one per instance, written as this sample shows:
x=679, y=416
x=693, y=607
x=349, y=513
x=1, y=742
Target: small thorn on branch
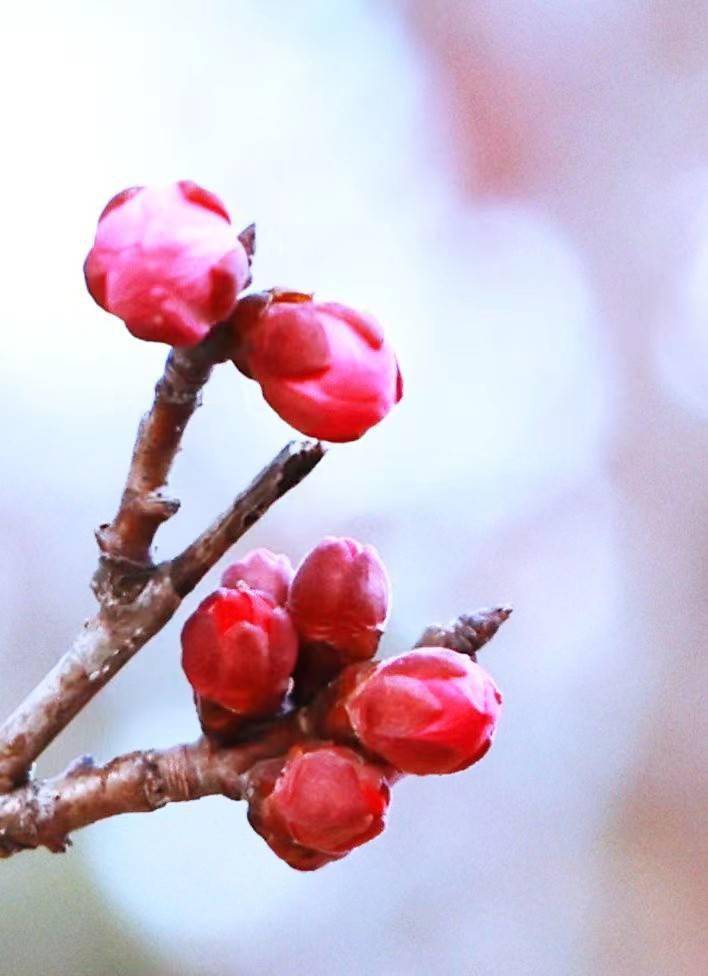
x=150, y=510
x=156, y=505
x=248, y=240
x=468, y=633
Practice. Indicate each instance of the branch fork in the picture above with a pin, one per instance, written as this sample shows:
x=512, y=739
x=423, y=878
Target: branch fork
x=136, y=598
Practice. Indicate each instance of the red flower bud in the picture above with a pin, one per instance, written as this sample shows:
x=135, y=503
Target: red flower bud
x=222, y=726
x=264, y=571
x=317, y=803
x=340, y=596
x=239, y=650
x=324, y=368
x=167, y=261
x=428, y=711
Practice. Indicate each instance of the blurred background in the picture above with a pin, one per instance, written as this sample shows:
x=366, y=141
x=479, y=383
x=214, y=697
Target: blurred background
x=518, y=189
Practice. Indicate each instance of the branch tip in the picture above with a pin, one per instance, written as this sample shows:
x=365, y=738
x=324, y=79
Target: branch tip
x=468, y=633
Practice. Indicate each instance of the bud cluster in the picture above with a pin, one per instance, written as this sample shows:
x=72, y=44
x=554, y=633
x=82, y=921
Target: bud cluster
x=168, y=262
x=269, y=630
x=272, y=638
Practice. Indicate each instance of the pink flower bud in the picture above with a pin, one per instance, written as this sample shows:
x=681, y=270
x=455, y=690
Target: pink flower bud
x=318, y=803
x=239, y=650
x=428, y=711
x=324, y=368
x=264, y=571
x=167, y=261
x=340, y=596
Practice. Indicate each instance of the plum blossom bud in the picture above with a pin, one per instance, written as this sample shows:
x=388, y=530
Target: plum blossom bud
x=431, y=710
x=220, y=725
x=317, y=803
x=167, y=261
x=326, y=369
x=264, y=571
x=239, y=650
x=340, y=596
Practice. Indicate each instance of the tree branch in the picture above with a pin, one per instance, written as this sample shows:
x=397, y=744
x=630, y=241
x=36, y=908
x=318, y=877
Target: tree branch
x=137, y=599
x=286, y=470
x=44, y=813
x=177, y=395
x=109, y=640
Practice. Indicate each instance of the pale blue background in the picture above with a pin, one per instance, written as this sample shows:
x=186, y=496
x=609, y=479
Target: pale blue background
x=518, y=189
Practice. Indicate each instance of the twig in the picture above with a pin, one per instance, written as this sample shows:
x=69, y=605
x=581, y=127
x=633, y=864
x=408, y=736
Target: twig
x=286, y=470
x=177, y=395
x=136, y=597
x=44, y=813
x=107, y=641
x=112, y=637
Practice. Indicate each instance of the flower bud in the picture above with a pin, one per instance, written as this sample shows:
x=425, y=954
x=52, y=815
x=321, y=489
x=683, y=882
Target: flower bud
x=340, y=596
x=264, y=571
x=317, y=803
x=324, y=368
x=431, y=710
x=167, y=261
x=239, y=650
x=219, y=724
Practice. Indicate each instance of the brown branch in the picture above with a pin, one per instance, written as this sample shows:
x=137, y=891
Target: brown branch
x=134, y=610
x=136, y=597
x=143, y=507
x=44, y=813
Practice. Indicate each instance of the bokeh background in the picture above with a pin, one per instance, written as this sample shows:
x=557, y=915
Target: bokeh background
x=519, y=190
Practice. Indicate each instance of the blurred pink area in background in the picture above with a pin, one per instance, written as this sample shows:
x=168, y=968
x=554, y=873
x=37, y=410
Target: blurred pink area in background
x=519, y=192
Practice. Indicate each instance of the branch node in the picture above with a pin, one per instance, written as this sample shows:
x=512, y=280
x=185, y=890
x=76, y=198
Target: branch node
x=248, y=240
